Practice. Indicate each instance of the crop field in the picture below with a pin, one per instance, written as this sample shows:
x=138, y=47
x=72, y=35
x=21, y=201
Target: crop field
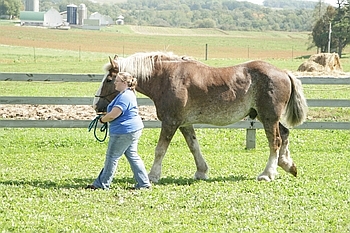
x=26, y=49
x=43, y=172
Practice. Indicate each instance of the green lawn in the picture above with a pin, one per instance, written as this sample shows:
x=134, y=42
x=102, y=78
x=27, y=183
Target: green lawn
x=43, y=172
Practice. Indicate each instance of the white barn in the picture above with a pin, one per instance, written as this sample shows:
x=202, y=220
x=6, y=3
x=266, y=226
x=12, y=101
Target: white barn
x=104, y=20
x=52, y=18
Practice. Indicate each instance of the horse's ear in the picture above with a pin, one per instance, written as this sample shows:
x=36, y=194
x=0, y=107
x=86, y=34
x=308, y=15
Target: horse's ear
x=115, y=57
x=112, y=63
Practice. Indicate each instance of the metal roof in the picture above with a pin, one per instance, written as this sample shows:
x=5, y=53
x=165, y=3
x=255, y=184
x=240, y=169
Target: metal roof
x=31, y=16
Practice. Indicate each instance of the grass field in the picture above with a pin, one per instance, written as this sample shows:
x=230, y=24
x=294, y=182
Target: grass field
x=25, y=49
x=43, y=172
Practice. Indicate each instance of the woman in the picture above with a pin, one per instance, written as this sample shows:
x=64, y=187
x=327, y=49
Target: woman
x=125, y=129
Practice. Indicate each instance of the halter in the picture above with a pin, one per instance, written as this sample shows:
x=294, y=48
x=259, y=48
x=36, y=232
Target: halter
x=104, y=96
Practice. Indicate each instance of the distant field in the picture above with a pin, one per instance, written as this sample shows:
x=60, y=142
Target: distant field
x=126, y=40
x=75, y=50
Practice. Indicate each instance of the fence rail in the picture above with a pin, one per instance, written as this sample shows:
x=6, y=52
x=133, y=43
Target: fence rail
x=141, y=101
x=98, y=77
x=51, y=77
x=249, y=125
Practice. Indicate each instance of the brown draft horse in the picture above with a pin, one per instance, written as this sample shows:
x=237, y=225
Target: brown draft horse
x=187, y=92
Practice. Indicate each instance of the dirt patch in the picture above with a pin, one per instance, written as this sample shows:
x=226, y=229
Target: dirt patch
x=147, y=113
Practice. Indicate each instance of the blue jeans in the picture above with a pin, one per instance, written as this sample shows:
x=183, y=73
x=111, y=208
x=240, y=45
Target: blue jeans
x=118, y=145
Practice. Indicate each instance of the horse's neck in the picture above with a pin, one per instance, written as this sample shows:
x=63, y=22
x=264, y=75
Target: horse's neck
x=149, y=86
x=144, y=89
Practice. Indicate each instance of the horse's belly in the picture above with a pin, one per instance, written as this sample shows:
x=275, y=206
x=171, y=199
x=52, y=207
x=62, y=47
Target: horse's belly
x=218, y=116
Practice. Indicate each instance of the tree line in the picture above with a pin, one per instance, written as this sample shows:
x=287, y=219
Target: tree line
x=280, y=15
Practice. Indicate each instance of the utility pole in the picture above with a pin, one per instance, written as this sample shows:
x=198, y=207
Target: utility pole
x=329, y=37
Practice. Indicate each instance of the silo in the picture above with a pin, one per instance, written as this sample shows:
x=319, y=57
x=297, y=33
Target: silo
x=32, y=5
x=82, y=14
x=72, y=14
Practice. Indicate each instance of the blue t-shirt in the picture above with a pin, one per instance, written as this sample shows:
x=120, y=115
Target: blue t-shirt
x=129, y=120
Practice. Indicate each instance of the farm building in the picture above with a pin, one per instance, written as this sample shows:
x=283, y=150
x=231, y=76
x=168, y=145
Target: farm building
x=104, y=19
x=120, y=20
x=91, y=24
x=82, y=13
x=51, y=18
x=32, y=5
x=72, y=13
x=32, y=18
x=75, y=16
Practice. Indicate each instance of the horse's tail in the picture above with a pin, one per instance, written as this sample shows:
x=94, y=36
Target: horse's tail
x=296, y=110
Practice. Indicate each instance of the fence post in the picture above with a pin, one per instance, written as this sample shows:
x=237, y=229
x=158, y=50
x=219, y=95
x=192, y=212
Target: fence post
x=250, y=138
x=206, y=51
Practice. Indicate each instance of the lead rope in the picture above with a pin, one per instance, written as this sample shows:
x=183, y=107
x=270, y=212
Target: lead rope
x=104, y=127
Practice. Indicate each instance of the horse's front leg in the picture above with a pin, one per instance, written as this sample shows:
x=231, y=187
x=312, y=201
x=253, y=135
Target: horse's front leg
x=273, y=136
x=166, y=134
x=192, y=142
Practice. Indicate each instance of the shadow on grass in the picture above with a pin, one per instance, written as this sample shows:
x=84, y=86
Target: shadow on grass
x=303, y=57
x=49, y=184
x=190, y=181
x=79, y=183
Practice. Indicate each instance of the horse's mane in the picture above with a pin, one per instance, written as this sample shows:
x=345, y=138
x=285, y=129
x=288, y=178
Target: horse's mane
x=141, y=65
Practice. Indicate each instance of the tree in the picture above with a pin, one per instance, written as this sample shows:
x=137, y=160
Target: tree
x=341, y=25
x=206, y=23
x=320, y=31
x=10, y=8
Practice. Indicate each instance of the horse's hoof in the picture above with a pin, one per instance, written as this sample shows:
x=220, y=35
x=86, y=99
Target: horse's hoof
x=263, y=178
x=293, y=170
x=200, y=176
x=267, y=176
x=153, y=178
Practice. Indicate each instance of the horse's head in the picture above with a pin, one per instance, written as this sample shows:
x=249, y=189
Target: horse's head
x=140, y=65
x=106, y=93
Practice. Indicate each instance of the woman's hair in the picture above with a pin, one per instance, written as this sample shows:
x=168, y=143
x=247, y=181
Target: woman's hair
x=130, y=80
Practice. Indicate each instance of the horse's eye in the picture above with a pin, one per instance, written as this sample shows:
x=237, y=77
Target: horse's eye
x=109, y=79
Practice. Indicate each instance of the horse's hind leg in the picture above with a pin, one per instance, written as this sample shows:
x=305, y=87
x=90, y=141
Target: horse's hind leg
x=273, y=136
x=284, y=159
x=192, y=142
x=166, y=134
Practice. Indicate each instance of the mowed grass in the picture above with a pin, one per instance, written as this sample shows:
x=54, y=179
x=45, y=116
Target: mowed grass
x=43, y=172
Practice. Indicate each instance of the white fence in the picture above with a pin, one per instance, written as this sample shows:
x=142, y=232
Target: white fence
x=250, y=126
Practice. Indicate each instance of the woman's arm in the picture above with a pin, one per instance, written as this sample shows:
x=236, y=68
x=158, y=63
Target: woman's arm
x=116, y=111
